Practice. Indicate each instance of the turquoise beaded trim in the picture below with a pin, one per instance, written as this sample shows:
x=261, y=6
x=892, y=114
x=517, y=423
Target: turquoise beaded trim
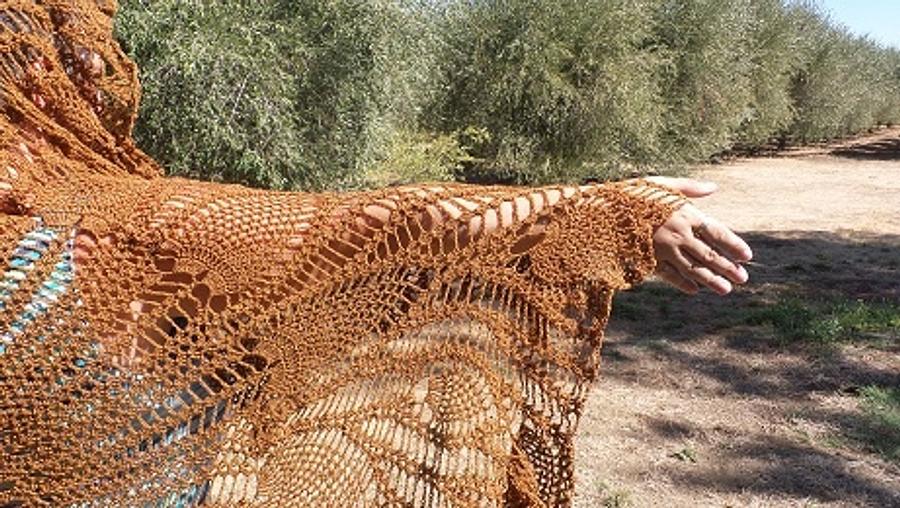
x=24, y=258
x=189, y=497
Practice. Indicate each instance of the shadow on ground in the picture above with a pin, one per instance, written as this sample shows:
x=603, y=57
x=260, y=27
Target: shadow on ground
x=878, y=145
x=808, y=264
x=731, y=357
x=797, y=471
x=881, y=150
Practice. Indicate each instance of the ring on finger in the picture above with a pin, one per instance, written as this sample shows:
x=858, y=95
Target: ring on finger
x=702, y=227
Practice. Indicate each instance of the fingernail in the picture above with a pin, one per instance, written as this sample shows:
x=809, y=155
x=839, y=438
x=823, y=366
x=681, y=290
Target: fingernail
x=726, y=288
x=742, y=274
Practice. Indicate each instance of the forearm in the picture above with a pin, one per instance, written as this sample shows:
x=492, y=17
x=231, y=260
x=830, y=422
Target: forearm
x=600, y=233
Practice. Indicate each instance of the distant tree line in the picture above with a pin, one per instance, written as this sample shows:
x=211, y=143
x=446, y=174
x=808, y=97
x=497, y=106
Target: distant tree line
x=337, y=94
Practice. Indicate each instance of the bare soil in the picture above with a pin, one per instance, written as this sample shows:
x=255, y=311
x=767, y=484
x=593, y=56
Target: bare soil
x=695, y=407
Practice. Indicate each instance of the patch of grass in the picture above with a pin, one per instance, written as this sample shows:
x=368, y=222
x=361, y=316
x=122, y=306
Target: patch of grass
x=795, y=320
x=685, y=455
x=833, y=441
x=617, y=499
x=659, y=290
x=627, y=309
x=653, y=298
x=612, y=498
x=821, y=266
x=795, y=267
x=881, y=407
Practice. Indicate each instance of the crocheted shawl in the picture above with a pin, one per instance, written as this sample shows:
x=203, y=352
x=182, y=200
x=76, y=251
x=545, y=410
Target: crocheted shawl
x=167, y=342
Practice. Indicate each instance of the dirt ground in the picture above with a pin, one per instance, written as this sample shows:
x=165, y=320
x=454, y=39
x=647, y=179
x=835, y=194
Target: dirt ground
x=697, y=408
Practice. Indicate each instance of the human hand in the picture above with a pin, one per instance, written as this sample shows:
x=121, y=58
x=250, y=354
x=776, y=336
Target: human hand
x=694, y=250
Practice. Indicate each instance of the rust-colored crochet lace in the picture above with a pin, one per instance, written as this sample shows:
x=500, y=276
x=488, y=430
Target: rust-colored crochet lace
x=166, y=342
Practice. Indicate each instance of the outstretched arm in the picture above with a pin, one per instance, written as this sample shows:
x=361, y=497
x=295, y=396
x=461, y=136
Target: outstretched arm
x=691, y=249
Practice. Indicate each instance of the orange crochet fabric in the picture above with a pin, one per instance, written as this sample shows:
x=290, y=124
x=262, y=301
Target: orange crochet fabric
x=166, y=342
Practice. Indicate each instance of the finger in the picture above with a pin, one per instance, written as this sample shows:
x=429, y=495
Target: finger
x=725, y=240
x=717, y=263
x=688, y=186
x=672, y=276
x=694, y=270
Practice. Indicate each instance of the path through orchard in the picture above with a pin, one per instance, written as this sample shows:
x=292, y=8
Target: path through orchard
x=699, y=404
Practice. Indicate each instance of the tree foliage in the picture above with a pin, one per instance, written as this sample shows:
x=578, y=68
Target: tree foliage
x=350, y=93
x=277, y=93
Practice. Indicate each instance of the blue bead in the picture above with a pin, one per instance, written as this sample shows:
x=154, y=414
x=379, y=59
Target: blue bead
x=22, y=252
x=19, y=263
x=60, y=277
x=53, y=285
x=48, y=295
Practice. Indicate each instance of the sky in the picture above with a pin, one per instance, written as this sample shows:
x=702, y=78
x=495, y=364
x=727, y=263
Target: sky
x=880, y=19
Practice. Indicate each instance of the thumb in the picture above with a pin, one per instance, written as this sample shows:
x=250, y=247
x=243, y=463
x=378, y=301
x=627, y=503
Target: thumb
x=688, y=186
